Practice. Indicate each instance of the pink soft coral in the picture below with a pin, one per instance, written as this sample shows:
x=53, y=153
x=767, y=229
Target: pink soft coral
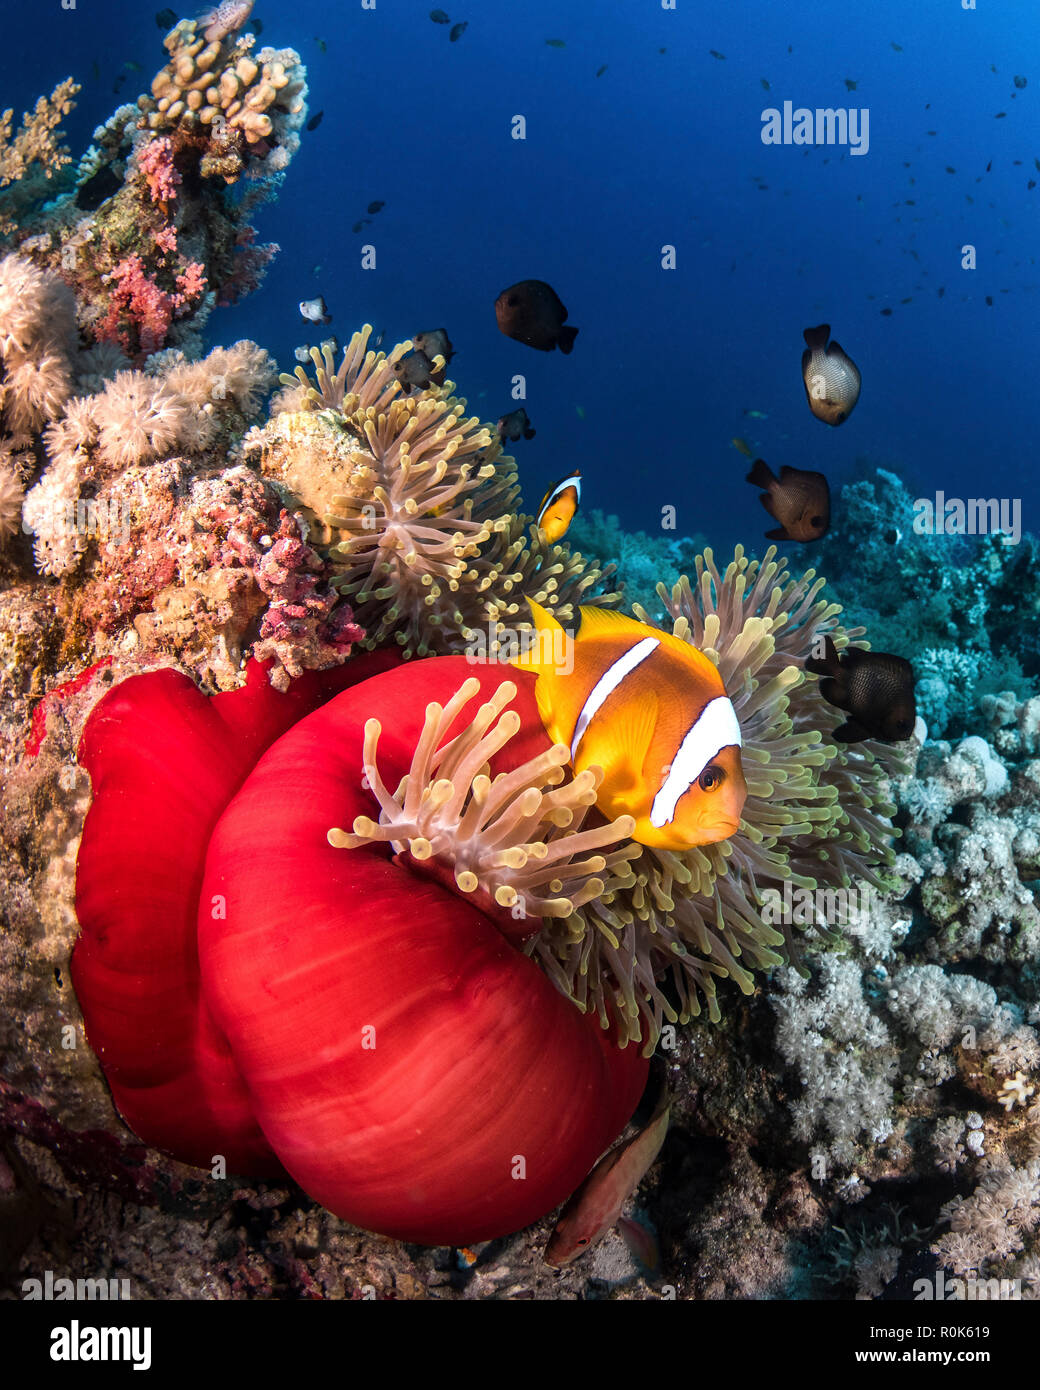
x=155, y=161
x=138, y=302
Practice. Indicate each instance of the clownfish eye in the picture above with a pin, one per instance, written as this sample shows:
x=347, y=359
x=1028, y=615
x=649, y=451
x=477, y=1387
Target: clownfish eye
x=711, y=779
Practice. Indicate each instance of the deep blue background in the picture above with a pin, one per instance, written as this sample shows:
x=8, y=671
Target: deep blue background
x=663, y=148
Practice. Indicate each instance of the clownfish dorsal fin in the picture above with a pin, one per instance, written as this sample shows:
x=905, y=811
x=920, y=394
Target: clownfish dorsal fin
x=597, y=621
x=543, y=656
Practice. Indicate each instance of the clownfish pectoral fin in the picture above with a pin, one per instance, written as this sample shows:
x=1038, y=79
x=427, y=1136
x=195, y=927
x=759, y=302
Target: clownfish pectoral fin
x=621, y=747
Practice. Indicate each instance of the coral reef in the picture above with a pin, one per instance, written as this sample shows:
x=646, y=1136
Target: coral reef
x=144, y=233
x=863, y=1109
x=964, y=609
x=243, y=112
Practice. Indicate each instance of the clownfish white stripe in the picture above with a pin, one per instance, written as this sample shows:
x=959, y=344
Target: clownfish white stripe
x=716, y=728
x=608, y=683
x=554, y=493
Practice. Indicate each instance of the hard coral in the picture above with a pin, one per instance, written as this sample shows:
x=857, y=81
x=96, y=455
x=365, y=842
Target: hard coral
x=244, y=111
x=33, y=147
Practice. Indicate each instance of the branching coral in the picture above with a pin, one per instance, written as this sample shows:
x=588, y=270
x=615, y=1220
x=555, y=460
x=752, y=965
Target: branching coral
x=815, y=816
x=35, y=143
x=418, y=503
x=515, y=843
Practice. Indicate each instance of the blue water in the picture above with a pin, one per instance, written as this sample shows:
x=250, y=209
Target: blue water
x=663, y=149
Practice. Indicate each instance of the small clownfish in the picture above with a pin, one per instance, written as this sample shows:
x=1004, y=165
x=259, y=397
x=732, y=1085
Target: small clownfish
x=559, y=507
x=652, y=712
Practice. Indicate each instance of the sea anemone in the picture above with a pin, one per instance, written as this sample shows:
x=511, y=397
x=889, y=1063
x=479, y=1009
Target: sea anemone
x=816, y=815
x=419, y=506
x=505, y=842
x=354, y=1017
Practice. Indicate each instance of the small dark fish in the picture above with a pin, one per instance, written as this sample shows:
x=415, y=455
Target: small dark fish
x=315, y=311
x=257, y=26
x=377, y=206
x=1000, y=116
x=435, y=343
x=117, y=85
x=850, y=84
x=414, y=369
x=831, y=378
x=315, y=121
x=361, y=222
x=532, y=312
x=897, y=46
x=322, y=45
x=989, y=166
x=457, y=31
x=874, y=688
x=601, y=71
x=1031, y=183
x=1036, y=162
x=742, y=447
x=556, y=43
x=439, y=17
x=989, y=300
x=800, y=500
x=714, y=53
x=950, y=169
x=101, y=185
x=887, y=313
x=166, y=19
x=941, y=291
x=1020, y=82
x=908, y=300
x=96, y=71
x=515, y=426
x=764, y=83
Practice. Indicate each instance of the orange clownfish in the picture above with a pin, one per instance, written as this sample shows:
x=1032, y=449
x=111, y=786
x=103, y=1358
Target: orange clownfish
x=559, y=507
x=652, y=712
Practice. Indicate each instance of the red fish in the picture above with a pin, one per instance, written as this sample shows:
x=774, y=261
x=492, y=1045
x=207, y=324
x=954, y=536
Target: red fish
x=596, y=1206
